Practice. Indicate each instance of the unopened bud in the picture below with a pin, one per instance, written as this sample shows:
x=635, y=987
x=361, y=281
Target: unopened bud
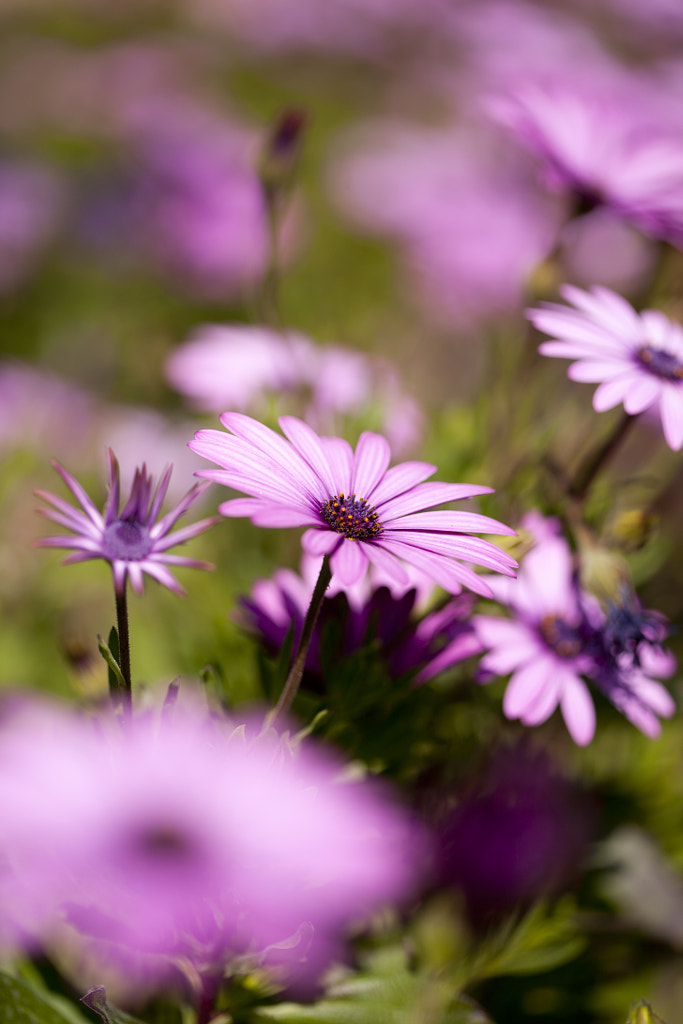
x=642, y=1013
x=632, y=528
x=282, y=150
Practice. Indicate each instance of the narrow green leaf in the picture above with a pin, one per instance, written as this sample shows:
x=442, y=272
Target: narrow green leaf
x=116, y=680
x=22, y=1004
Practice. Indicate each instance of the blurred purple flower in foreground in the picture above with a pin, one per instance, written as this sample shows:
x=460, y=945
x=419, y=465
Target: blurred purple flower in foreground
x=184, y=838
x=383, y=612
x=518, y=833
x=239, y=367
x=607, y=151
x=636, y=357
x=132, y=540
x=559, y=634
x=356, y=509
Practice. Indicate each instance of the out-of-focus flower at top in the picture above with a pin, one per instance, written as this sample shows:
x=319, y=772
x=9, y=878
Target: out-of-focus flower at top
x=357, y=510
x=133, y=540
x=32, y=203
x=39, y=410
x=637, y=358
x=407, y=643
x=559, y=635
x=606, y=150
x=198, y=207
x=240, y=367
x=362, y=27
x=180, y=838
x=471, y=232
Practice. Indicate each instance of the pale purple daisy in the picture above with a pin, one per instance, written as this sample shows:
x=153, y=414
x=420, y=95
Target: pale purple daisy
x=637, y=358
x=357, y=510
x=559, y=635
x=134, y=540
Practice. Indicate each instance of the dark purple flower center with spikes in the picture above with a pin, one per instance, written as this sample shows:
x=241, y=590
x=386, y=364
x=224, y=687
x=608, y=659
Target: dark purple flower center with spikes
x=660, y=362
x=353, y=517
x=126, y=540
x=562, y=638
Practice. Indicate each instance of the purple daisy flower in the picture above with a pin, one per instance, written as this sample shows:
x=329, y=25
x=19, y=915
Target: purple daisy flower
x=423, y=645
x=559, y=635
x=134, y=541
x=637, y=358
x=357, y=510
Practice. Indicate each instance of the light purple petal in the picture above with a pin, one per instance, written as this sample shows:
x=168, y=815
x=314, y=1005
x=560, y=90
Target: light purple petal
x=307, y=444
x=525, y=686
x=577, y=709
x=671, y=412
x=613, y=391
x=450, y=522
x=427, y=495
x=320, y=542
x=349, y=562
x=370, y=464
x=400, y=479
x=642, y=394
x=387, y=564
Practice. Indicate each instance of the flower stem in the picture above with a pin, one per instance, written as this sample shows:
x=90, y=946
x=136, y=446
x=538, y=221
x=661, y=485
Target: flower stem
x=296, y=671
x=592, y=464
x=124, y=646
x=206, y=1003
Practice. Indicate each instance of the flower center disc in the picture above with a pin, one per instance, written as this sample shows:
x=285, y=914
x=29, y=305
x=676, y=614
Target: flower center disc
x=353, y=517
x=127, y=540
x=560, y=636
x=663, y=364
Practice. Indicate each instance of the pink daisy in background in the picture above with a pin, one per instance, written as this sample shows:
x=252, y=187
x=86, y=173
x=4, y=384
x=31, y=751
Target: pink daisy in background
x=133, y=540
x=558, y=635
x=607, y=150
x=637, y=358
x=357, y=510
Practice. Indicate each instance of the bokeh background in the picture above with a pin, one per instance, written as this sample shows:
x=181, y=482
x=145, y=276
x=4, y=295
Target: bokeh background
x=341, y=169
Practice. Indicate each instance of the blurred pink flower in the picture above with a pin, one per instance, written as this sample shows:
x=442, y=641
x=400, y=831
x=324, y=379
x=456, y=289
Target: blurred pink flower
x=607, y=149
x=32, y=204
x=183, y=838
x=470, y=222
x=637, y=358
x=357, y=510
x=241, y=367
x=40, y=411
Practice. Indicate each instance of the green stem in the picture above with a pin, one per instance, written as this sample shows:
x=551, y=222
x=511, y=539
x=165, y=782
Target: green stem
x=296, y=671
x=124, y=647
x=594, y=461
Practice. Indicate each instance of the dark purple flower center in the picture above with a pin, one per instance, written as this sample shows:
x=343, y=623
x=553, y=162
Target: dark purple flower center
x=560, y=636
x=164, y=843
x=661, y=363
x=126, y=540
x=353, y=517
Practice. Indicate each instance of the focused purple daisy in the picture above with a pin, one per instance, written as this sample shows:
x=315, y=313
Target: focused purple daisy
x=559, y=635
x=357, y=510
x=134, y=541
x=637, y=358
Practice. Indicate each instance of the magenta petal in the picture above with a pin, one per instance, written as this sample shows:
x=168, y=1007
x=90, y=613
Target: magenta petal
x=349, y=562
x=320, y=542
x=525, y=686
x=578, y=709
x=671, y=412
x=371, y=463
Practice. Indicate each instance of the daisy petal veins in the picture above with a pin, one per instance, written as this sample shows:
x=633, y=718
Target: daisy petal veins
x=635, y=358
x=356, y=509
x=134, y=540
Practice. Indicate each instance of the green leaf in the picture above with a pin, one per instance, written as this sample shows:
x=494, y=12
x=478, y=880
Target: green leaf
x=22, y=1004
x=110, y=653
x=386, y=992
